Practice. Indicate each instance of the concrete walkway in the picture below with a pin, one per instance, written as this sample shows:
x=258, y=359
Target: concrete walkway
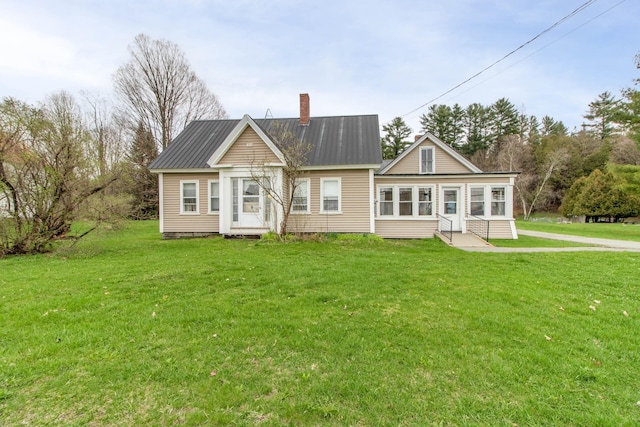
x=601, y=245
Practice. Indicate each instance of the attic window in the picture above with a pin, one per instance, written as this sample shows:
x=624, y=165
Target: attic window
x=427, y=160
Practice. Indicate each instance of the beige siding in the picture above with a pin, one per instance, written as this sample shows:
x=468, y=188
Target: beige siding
x=356, y=205
x=406, y=229
x=173, y=221
x=500, y=229
x=445, y=163
x=249, y=149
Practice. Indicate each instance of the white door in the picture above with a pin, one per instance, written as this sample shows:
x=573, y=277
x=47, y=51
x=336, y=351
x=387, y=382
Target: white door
x=250, y=206
x=451, y=206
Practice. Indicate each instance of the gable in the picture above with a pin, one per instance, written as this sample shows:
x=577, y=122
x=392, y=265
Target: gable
x=408, y=162
x=249, y=148
x=444, y=162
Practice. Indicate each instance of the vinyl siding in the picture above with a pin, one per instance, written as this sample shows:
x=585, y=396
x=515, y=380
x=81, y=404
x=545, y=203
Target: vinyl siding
x=406, y=229
x=249, y=149
x=355, y=204
x=173, y=220
x=444, y=163
x=500, y=229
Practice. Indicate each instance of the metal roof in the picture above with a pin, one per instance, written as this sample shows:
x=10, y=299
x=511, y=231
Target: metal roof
x=339, y=140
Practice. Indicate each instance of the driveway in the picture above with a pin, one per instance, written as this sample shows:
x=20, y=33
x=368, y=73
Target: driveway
x=601, y=245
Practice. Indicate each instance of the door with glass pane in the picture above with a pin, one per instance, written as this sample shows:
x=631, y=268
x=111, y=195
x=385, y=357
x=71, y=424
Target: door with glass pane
x=250, y=203
x=451, y=206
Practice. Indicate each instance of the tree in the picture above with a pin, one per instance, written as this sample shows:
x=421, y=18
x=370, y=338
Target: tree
x=505, y=121
x=394, y=142
x=143, y=185
x=628, y=114
x=294, y=152
x=600, y=195
x=158, y=88
x=477, y=128
x=446, y=123
x=44, y=175
x=552, y=127
x=602, y=114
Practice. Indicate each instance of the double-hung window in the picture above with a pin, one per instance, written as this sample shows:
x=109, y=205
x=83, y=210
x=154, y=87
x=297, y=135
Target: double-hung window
x=498, y=201
x=214, y=196
x=300, y=202
x=427, y=160
x=476, y=204
x=425, y=205
x=189, y=197
x=330, y=200
x=405, y=201
x=386, y=201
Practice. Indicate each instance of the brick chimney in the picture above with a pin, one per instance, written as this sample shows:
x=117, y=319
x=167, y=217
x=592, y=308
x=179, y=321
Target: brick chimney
x=304, y=109
x=417, y=137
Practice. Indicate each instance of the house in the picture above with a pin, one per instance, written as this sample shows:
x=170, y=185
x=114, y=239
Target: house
x=206, y=185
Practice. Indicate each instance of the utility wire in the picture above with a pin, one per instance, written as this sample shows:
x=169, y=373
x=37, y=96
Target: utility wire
x=542, y=48
x=570, y=15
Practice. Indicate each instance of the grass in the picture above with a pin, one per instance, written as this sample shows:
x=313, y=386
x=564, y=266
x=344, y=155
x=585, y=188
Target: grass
x=127, y=329
x=599, y=230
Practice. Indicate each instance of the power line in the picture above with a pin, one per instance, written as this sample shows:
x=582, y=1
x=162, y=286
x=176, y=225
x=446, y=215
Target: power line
x=570, y=15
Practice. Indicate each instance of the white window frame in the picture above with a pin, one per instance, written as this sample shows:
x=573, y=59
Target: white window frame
x=415, y=195
x=433, y=160
x=392, y=201
x=331, y=212
x=182, y=184
x=504, y=201
x=210, y=196
x=306, y=182
x=484, y=199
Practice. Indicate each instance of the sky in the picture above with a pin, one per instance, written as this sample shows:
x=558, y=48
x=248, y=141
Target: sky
x=352, y=57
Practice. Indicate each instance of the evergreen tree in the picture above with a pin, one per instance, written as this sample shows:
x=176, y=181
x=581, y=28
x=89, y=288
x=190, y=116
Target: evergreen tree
x=144, y=184
x=395, y=140
x=602, y=115
x=477, y=128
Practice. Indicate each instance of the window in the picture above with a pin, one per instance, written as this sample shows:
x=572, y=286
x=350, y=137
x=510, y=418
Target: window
x=405, y=203
x=476, y=205
x=234, y=186
x=426, y=160
x=330, y=195
x=498, y=201
x=300, y=202
x=386, y=201
x=189, y=197
x=424, y=201
x=214, y=196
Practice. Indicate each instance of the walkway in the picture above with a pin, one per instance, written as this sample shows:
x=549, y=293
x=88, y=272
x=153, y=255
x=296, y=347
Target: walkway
x=471, y=243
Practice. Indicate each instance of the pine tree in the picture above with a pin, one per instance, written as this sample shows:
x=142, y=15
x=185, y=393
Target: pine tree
x=394, y=142
x=144, y=184
x=602, y=115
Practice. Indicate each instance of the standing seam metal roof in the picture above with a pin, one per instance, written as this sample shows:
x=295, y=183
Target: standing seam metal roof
x=338, y=140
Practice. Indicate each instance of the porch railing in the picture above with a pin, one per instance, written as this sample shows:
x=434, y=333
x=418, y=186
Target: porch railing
x=478, y=226
x=445, y=227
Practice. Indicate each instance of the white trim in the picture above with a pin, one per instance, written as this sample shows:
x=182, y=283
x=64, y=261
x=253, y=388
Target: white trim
x=322, y=181
x=373, y=166
x=161, y=201
x=372, y=198
x=209, y=211
x=506, y=197
x=460, y=207
x=514, y=231
x=437, y=176
x=438, y=143
x=197, y=183
x=233, y=136
x=433, y=160
x=308, y=211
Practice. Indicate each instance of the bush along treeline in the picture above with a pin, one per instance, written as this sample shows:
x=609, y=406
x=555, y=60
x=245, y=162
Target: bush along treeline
x=85, y=161
x=550, y=159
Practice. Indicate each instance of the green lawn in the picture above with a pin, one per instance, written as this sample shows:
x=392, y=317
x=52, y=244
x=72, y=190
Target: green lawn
x=127, y=329
x=604, y=230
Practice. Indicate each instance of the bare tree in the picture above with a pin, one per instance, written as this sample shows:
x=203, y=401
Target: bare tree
x=294, y=152
x=44, y=175
x=159, y=89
